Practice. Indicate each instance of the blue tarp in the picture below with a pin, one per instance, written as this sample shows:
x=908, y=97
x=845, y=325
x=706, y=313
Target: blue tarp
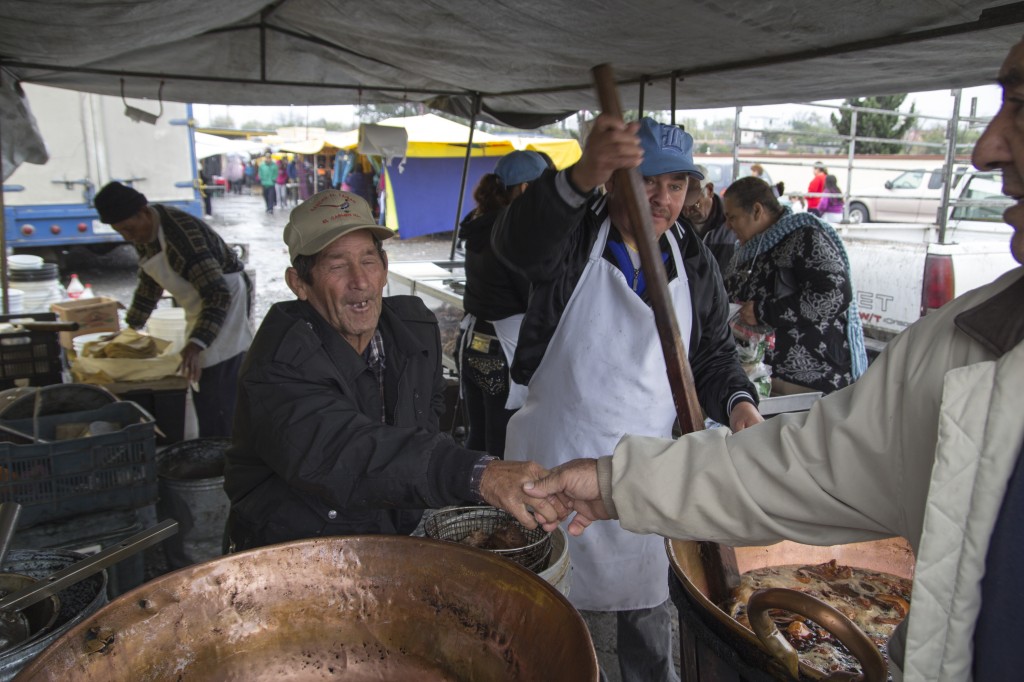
x=426, y=194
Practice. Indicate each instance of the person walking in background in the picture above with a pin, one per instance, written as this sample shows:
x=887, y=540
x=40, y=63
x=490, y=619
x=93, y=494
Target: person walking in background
x=281, y=183
x=816, y=186
x=268, y=178
x=204, y=191
x=494, y=301
x=831, y=208
x=236, y=173
x=250, y=173
x=791, y=272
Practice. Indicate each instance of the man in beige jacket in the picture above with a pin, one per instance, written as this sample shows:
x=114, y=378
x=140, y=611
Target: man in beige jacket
x=925, y=446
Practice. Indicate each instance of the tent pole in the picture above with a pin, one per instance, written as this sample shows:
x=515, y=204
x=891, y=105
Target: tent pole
x=465, y=174
x=640, y=104
x=674, y=78
x=3, y=224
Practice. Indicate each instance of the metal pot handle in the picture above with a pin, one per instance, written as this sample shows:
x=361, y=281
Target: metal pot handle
x=873, y=666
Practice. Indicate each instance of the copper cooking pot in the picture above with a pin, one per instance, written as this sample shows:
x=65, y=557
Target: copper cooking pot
x=348, y=608
x=889, y=556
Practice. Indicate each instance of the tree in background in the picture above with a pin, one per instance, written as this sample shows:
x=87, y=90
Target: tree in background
x=885, y=126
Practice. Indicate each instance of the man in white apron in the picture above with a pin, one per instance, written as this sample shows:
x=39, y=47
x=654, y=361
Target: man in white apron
x=182, y=255
x=589, y=349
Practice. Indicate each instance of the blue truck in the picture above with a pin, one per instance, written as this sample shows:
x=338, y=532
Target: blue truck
x=91, y=141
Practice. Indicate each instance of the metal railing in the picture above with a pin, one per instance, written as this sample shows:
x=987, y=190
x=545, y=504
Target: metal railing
x=950, y=148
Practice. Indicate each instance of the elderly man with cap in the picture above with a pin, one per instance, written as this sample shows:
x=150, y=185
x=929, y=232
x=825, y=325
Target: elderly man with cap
x=182, y=255
x=589, y=351
x=336, y=431
x=704, y=213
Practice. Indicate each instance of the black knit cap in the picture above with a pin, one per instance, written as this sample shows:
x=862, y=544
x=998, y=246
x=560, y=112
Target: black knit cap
x=117, y=202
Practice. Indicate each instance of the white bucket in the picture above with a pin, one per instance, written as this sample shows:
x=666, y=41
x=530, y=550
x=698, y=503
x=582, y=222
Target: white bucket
x=559, y=570
x=168, y=324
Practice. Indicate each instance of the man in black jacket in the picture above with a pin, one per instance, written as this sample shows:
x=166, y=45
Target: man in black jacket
x=705, y=214
x=589, y=349
x=336, y=429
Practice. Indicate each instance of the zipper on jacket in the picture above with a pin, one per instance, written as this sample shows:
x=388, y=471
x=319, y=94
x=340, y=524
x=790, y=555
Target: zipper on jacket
x=636, y=278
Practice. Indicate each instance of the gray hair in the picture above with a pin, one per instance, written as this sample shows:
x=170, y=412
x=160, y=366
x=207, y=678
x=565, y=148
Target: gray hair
x=703, y=170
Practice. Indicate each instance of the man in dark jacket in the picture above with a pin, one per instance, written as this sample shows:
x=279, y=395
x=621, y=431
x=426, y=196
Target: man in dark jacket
x=589, y=349
x=705, y=214
x=336, y=430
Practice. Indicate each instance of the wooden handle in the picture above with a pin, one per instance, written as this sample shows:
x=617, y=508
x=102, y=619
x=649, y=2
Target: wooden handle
x=719, y=561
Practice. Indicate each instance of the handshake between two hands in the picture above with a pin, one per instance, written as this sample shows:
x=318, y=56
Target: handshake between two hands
x=538, y=496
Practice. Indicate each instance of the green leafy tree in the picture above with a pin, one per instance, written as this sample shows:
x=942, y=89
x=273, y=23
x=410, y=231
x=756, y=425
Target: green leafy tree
x=887, y=126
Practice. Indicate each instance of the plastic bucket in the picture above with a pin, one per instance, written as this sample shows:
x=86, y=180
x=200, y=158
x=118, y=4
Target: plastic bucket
x=559, y=570
x=190, y=479
x=77, y=602
x=168, y=324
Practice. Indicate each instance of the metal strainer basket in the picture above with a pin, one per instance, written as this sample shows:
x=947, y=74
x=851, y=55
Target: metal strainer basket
x=454, y=524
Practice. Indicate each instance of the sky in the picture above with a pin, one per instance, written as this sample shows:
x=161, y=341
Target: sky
x=935, y=102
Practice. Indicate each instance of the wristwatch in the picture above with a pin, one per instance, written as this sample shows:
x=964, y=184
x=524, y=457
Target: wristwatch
x=478, y=476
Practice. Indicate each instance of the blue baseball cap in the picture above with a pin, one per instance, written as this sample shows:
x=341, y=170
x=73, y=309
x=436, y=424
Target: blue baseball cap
x=519, y=167
x=667, y=149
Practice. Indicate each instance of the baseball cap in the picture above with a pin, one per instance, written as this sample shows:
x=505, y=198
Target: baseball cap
x=326, y=216
x=667, y=149
x=819, y=165
x=519, y=167
x=117, y=202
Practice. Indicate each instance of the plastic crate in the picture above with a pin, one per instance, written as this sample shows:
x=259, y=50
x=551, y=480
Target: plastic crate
x=32, y=357
x=60, y=479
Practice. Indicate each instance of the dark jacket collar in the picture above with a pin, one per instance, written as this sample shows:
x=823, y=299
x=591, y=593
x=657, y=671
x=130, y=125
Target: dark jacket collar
x=997, y=323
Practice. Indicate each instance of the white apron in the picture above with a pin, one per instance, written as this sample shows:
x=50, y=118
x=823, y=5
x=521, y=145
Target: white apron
x=507, y=331
x=603, y=375
x=234, y=336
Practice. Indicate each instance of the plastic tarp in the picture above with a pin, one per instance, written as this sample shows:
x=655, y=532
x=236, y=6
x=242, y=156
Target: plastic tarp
x=525, y=63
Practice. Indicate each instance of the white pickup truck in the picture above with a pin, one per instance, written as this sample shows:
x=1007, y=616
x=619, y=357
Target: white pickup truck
x=903, y=270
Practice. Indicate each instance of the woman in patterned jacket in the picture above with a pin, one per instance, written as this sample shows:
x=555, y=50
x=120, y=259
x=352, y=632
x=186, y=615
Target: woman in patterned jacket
x=792, y=273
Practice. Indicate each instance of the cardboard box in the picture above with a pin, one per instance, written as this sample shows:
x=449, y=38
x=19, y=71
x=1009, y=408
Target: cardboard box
x=93, y=315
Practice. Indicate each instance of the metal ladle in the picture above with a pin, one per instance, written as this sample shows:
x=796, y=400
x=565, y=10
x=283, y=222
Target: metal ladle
x=13, y=626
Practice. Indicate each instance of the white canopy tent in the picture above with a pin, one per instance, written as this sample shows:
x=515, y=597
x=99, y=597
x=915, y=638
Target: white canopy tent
x=213, y=145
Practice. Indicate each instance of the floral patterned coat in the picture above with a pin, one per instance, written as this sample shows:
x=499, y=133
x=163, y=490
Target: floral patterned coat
x=802, y=288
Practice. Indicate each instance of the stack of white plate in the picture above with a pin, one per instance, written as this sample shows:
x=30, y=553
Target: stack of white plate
x=40, y=281
x=20, y=261
x=15, y=300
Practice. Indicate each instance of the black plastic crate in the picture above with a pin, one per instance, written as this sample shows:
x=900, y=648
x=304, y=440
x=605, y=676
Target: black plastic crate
x=34, y=357
x=60, y=479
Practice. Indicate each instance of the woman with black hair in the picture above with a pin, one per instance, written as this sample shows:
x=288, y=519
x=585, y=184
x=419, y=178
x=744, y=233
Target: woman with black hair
x=495, y=300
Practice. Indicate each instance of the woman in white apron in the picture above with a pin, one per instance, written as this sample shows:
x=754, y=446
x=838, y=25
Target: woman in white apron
x=212, y=366
x=495, y=300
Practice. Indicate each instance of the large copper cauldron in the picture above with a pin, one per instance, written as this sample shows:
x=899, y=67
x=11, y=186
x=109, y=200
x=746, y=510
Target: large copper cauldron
x=356, y=608
x=889, y=556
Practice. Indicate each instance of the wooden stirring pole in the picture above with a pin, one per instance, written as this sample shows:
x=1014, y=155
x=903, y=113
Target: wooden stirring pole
x=719, y=561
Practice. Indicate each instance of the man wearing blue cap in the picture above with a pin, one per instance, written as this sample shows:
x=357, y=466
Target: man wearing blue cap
x=589, y=351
